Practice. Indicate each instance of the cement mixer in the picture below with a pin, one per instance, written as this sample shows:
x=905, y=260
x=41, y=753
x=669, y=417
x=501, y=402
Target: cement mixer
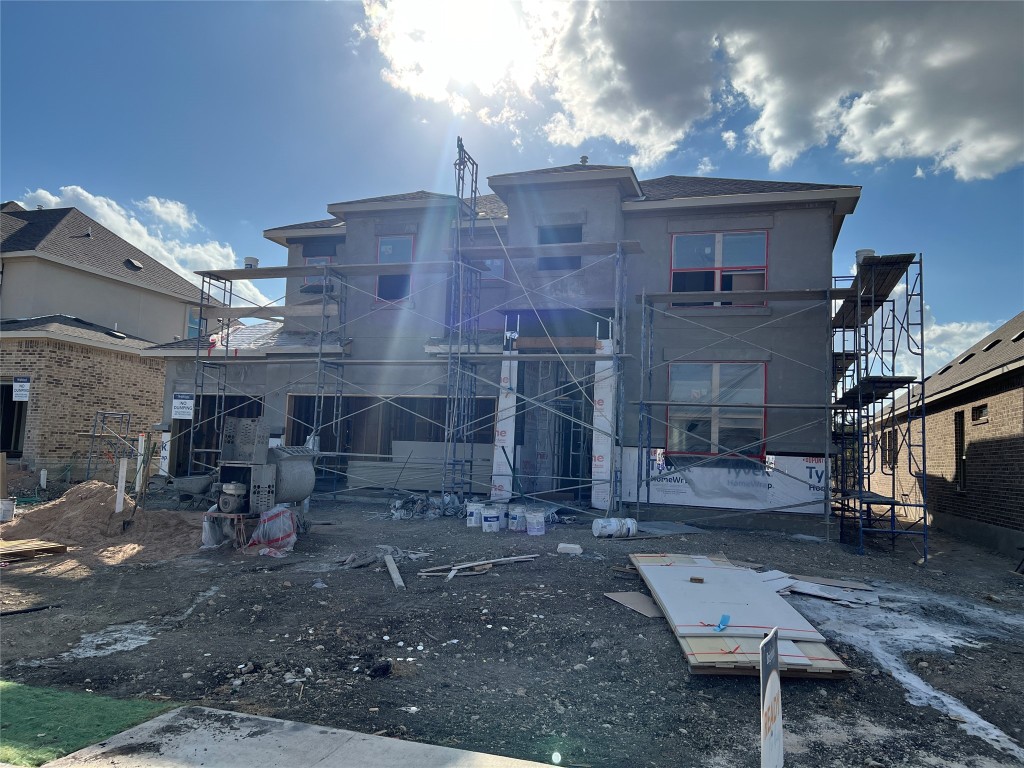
x=253, y=477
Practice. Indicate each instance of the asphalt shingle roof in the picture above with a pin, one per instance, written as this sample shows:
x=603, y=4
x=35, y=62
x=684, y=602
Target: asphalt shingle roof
x=268, y=337
x=990, y=354
x=564, y=169
x=403, y=197
x=672, y=187
x=320, y=224
x=70, y=236
x=76, y=327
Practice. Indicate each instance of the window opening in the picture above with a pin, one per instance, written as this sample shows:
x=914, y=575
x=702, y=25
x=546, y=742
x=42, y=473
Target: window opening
x=960, y=447
x=979, y=413
x=707, y=425
x=554, y=235
x=711, y=261
x=394, y=250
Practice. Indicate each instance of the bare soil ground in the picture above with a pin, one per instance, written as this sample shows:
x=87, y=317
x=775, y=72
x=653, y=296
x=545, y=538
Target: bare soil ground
x=530, y=657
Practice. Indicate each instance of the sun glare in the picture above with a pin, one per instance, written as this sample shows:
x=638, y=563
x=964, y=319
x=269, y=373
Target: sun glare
x=438, y=49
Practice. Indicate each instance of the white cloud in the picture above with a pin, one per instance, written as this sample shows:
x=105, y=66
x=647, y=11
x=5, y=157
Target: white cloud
x=170, y=212
x=944, y=342
x=182, y=256
x=936, y=81
x=705, y=166
x=919, y=172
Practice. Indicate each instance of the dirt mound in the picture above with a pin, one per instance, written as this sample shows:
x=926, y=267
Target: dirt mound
x=84, y=518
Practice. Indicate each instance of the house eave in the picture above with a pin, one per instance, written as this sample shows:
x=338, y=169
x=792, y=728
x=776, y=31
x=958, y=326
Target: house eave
x=845, y=200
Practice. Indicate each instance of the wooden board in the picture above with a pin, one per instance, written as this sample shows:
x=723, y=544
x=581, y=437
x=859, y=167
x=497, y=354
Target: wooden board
x=29, y=548
x=740, y=655
x=694, y=609
x=833, y=582
x=639, y=602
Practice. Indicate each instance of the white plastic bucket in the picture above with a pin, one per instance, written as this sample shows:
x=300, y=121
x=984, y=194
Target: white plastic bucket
x=7, y=509
x=614, y=527
x=491, y=522
x=517, y=517
x=535, y=523
x=474, y=513
x=502, y=510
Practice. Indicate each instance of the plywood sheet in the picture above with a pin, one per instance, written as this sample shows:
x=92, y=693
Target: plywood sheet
x=729, y=655
x=695, y=609
x=639, y=602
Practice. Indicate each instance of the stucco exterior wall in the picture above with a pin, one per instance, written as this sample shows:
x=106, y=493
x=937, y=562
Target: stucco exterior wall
x=70, y=383
x=34, y=287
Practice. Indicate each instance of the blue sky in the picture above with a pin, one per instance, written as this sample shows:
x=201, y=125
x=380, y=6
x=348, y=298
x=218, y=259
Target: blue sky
x=190, y=128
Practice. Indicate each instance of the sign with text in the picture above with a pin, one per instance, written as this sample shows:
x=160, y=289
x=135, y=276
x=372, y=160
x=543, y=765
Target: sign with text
x=771, y=703
x=183, y=405
x=21, y=385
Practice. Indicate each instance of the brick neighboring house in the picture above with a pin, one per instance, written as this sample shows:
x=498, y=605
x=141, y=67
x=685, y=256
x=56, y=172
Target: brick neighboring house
x=76, y=369
x=974, y=422
x=77, y=306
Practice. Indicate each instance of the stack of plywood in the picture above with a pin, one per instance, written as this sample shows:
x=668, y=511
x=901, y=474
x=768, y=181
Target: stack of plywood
x=720, y=613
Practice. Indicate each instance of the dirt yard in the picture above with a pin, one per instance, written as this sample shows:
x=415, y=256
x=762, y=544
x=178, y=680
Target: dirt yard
x=529, y=658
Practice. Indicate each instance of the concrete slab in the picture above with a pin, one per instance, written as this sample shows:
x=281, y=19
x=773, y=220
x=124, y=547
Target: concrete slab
x=198, y=736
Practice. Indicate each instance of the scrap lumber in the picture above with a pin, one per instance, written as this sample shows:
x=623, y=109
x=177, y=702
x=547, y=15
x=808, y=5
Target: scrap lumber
x=396, y=577
x=26, y=549
x=841, y=583
x=461, y=566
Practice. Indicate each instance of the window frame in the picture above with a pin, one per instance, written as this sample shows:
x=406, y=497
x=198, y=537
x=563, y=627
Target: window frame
x=412, y=260
x=198, y=326
x=719, y=269
x=959, y=451
x=714, y=447
x=315, y=261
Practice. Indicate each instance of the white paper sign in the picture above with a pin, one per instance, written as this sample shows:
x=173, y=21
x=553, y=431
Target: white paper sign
x=21, y=386
x=182, y=406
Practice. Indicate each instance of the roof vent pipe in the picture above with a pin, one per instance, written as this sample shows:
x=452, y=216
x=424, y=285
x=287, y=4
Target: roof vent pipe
x=864, y=253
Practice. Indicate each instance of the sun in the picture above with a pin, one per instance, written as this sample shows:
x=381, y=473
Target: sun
x=453, y=50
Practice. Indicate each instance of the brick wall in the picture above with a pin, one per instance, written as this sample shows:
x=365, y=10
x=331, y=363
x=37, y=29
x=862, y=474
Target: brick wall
x=70, y=383
x=988, y=488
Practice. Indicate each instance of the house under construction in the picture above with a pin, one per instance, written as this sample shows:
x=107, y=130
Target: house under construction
x=578, y=334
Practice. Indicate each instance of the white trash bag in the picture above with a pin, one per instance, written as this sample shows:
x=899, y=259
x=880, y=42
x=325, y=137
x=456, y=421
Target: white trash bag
x=277, y=531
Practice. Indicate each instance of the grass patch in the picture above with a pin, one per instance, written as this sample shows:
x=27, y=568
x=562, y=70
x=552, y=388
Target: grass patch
x=40, y=724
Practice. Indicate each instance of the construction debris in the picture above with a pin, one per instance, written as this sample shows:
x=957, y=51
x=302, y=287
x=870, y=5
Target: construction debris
x=369, y=557
x=720, y=615
x=570, y=549
x=455, y=569
x=396, y=577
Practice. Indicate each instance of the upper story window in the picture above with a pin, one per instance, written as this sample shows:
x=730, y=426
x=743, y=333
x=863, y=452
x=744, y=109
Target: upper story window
x=717, y=261
x=317, y=254
x=495, y=269
x=394, y=249
x=719, y=409
x=553, y=235
x=194, y=328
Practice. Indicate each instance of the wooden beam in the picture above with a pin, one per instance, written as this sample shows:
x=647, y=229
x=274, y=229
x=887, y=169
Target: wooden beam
x=396, y=577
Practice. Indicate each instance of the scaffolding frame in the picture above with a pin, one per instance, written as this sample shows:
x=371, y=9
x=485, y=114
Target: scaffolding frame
x=461, y=361
x=819, y=412
x=879, y=418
